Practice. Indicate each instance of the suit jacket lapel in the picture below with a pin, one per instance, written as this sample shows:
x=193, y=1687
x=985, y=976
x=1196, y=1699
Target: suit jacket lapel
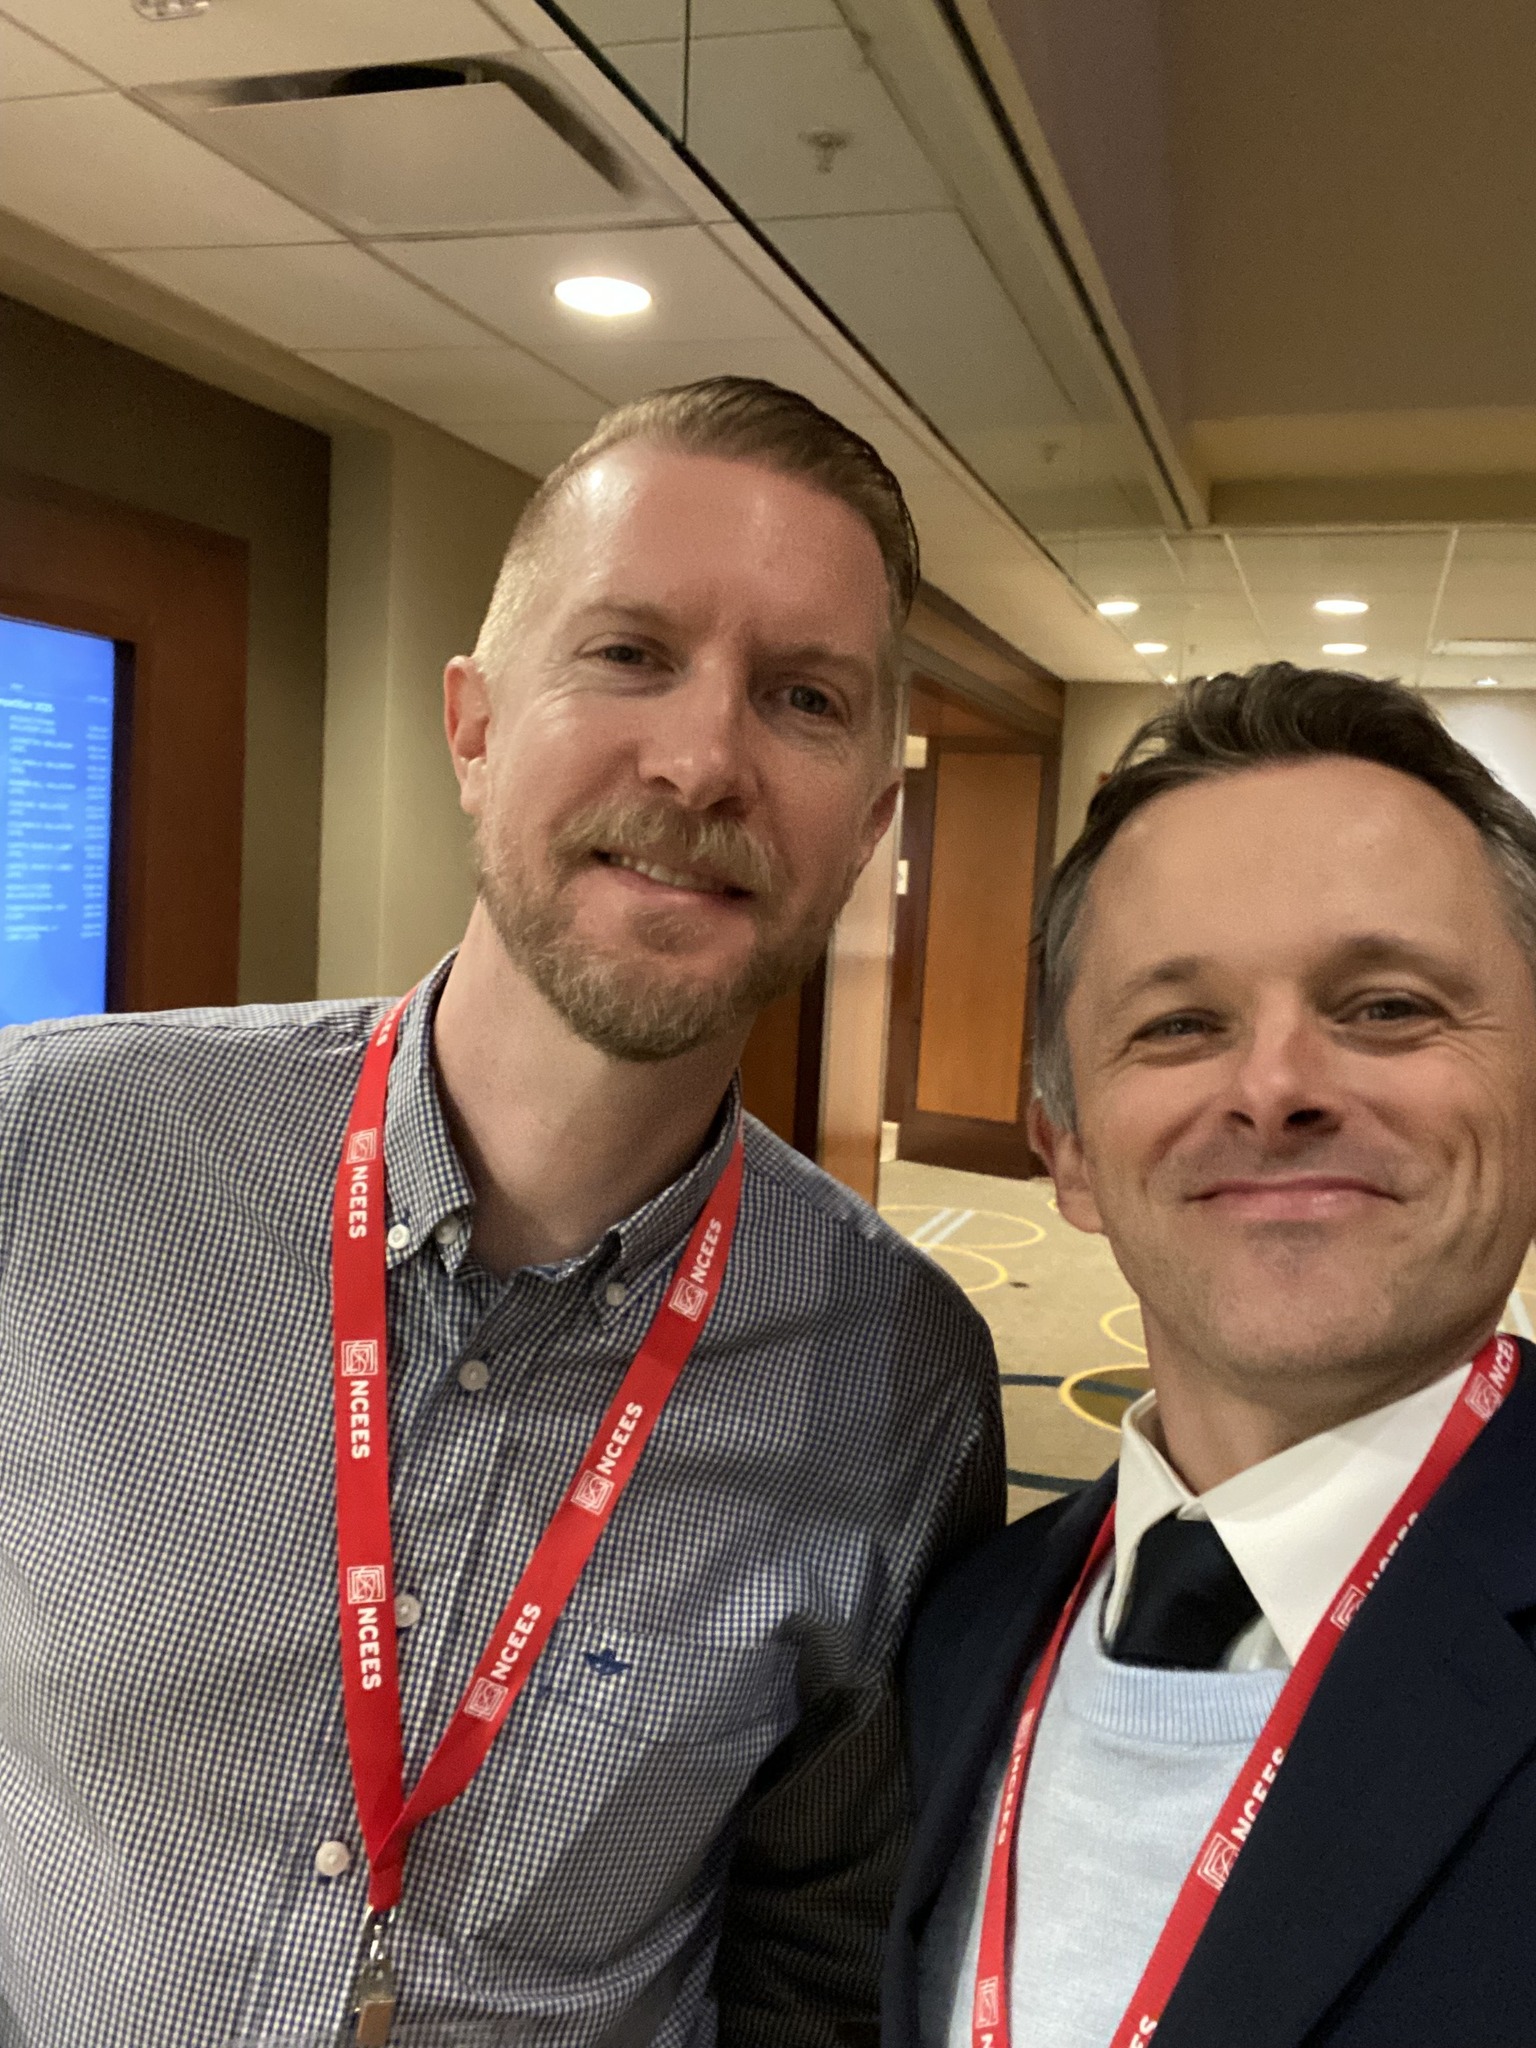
x=1427, y=1707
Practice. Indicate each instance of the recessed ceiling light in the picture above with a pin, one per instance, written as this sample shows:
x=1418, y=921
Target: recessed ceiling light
x=1345, y=647
x=1170, y=679
x=606, y=298
x=1486, y=683
x=1151, y=646
x=1485, y=650
x=1118, y=607
x=1341, y=607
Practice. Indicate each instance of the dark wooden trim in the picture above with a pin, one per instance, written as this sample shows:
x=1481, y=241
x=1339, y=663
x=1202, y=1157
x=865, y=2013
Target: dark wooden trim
x=809, y=1042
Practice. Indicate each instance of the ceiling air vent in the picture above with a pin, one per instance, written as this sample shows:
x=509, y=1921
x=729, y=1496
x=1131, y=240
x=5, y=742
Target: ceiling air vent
x=450, y=146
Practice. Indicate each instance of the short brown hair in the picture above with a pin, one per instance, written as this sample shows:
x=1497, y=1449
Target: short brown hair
x=1221, y=725
x=742, y=419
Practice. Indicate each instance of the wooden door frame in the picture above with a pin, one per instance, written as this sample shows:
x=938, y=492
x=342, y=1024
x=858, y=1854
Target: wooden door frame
x=96, y=565
x=972, y=1144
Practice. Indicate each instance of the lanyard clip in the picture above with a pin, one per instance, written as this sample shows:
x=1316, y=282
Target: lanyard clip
x=372, y=2004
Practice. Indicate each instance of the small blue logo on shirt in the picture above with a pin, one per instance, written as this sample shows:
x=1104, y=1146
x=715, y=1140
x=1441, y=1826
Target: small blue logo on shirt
x=606, y=1663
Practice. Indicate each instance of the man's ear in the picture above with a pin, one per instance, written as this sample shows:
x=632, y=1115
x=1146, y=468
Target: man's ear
x=1062, y=1152
x=467, y=720
x=878, y=822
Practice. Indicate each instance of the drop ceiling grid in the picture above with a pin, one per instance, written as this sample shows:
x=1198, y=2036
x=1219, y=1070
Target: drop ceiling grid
x=31, y=67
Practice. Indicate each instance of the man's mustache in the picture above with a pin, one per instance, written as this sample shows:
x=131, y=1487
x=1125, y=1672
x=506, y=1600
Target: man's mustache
x=720, y=848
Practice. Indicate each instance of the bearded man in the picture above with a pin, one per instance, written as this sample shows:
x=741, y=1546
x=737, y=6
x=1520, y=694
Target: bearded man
x=462, y=1487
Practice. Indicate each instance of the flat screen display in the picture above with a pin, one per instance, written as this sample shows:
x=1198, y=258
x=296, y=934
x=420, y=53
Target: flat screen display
x=60, y=696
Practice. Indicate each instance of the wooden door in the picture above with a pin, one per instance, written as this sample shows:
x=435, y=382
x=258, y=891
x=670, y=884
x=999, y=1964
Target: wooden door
x=977, y=822
x=177, y=592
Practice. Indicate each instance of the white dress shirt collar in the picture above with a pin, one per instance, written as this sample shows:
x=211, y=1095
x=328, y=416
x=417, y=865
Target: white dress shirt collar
x=1293, y=1524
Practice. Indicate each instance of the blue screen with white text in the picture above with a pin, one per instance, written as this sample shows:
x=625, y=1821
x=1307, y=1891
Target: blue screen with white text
x=57, y=698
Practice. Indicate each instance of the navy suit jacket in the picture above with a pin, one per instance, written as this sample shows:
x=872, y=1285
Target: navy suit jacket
x=1387, y=1895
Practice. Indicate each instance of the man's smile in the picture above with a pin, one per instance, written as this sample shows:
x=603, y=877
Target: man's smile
x=1292, y=1198
x=697, y=881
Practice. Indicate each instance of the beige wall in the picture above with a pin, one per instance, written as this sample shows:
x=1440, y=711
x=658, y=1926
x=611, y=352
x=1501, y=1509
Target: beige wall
x=86, y=412
x=1500, y=730
x=419, y=522
x=1098, y=720
x=857, y=1022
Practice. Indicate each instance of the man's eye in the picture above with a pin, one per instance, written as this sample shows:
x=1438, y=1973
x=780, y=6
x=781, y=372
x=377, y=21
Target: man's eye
x=1184, y=1025
x=805, y=697
x=623, y=653
x=1391, y=1010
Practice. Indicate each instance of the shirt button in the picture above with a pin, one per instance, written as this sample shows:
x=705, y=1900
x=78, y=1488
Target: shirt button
x=407, y=1610
x=447, y=1230
x=332, y=1859
x=399, y=1236
x=474, y=1375
x=615, y=1294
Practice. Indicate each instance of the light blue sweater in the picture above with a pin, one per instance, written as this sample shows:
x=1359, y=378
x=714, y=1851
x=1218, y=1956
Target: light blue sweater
x=1130, y=1767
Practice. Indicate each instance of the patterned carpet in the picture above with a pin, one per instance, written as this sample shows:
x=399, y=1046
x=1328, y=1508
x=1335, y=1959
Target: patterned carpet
x=1066, y=1325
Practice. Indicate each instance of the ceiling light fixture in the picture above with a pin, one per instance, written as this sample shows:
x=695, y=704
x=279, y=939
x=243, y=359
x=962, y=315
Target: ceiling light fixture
x=1486, y=683
x=1151, y=646
x=604, y=298
x=1485, y=650
x=1170, y=679
x=1341, y=607
x=1118, y=607
x=1345, y=647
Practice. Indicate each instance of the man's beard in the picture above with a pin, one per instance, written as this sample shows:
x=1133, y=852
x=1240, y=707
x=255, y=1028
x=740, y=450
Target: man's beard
x=627, y=1005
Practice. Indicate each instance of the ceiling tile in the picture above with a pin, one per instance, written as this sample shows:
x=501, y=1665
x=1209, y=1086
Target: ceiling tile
x=309, y=298
x=448, y=384
x=800, y=85
x=29, y=69
x=643, y=365
x=735, y=17
x=508, y=281
x=234, y=41
x=629, y=21
x=658, y=72
x=100, y=171
x=1128, y=565
x=533, y=446
x=921, y=296
x=1314, y=565
x=1490, y=592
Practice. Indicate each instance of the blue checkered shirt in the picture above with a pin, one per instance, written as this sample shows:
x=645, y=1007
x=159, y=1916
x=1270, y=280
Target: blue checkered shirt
x=687, y=1829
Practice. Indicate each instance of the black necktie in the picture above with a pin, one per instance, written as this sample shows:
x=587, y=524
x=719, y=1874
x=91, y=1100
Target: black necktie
x=1188, y=1600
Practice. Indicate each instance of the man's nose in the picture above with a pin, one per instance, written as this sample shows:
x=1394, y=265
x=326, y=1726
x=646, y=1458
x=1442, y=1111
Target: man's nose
x=697, y=741
x=1283, y=1085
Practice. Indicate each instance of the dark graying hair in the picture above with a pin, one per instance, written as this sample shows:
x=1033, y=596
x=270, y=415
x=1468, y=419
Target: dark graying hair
x=1221, y=725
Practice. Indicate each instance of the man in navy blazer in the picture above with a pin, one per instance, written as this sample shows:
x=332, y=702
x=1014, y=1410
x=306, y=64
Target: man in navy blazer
x=1286, y=1058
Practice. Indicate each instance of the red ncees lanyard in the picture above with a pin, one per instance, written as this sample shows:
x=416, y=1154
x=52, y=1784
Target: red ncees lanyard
x=1492, y=1375
x=370, y=1673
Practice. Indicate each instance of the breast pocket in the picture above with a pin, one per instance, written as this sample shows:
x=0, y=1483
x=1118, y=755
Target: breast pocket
x=629, y=1756
x=669, y=1688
